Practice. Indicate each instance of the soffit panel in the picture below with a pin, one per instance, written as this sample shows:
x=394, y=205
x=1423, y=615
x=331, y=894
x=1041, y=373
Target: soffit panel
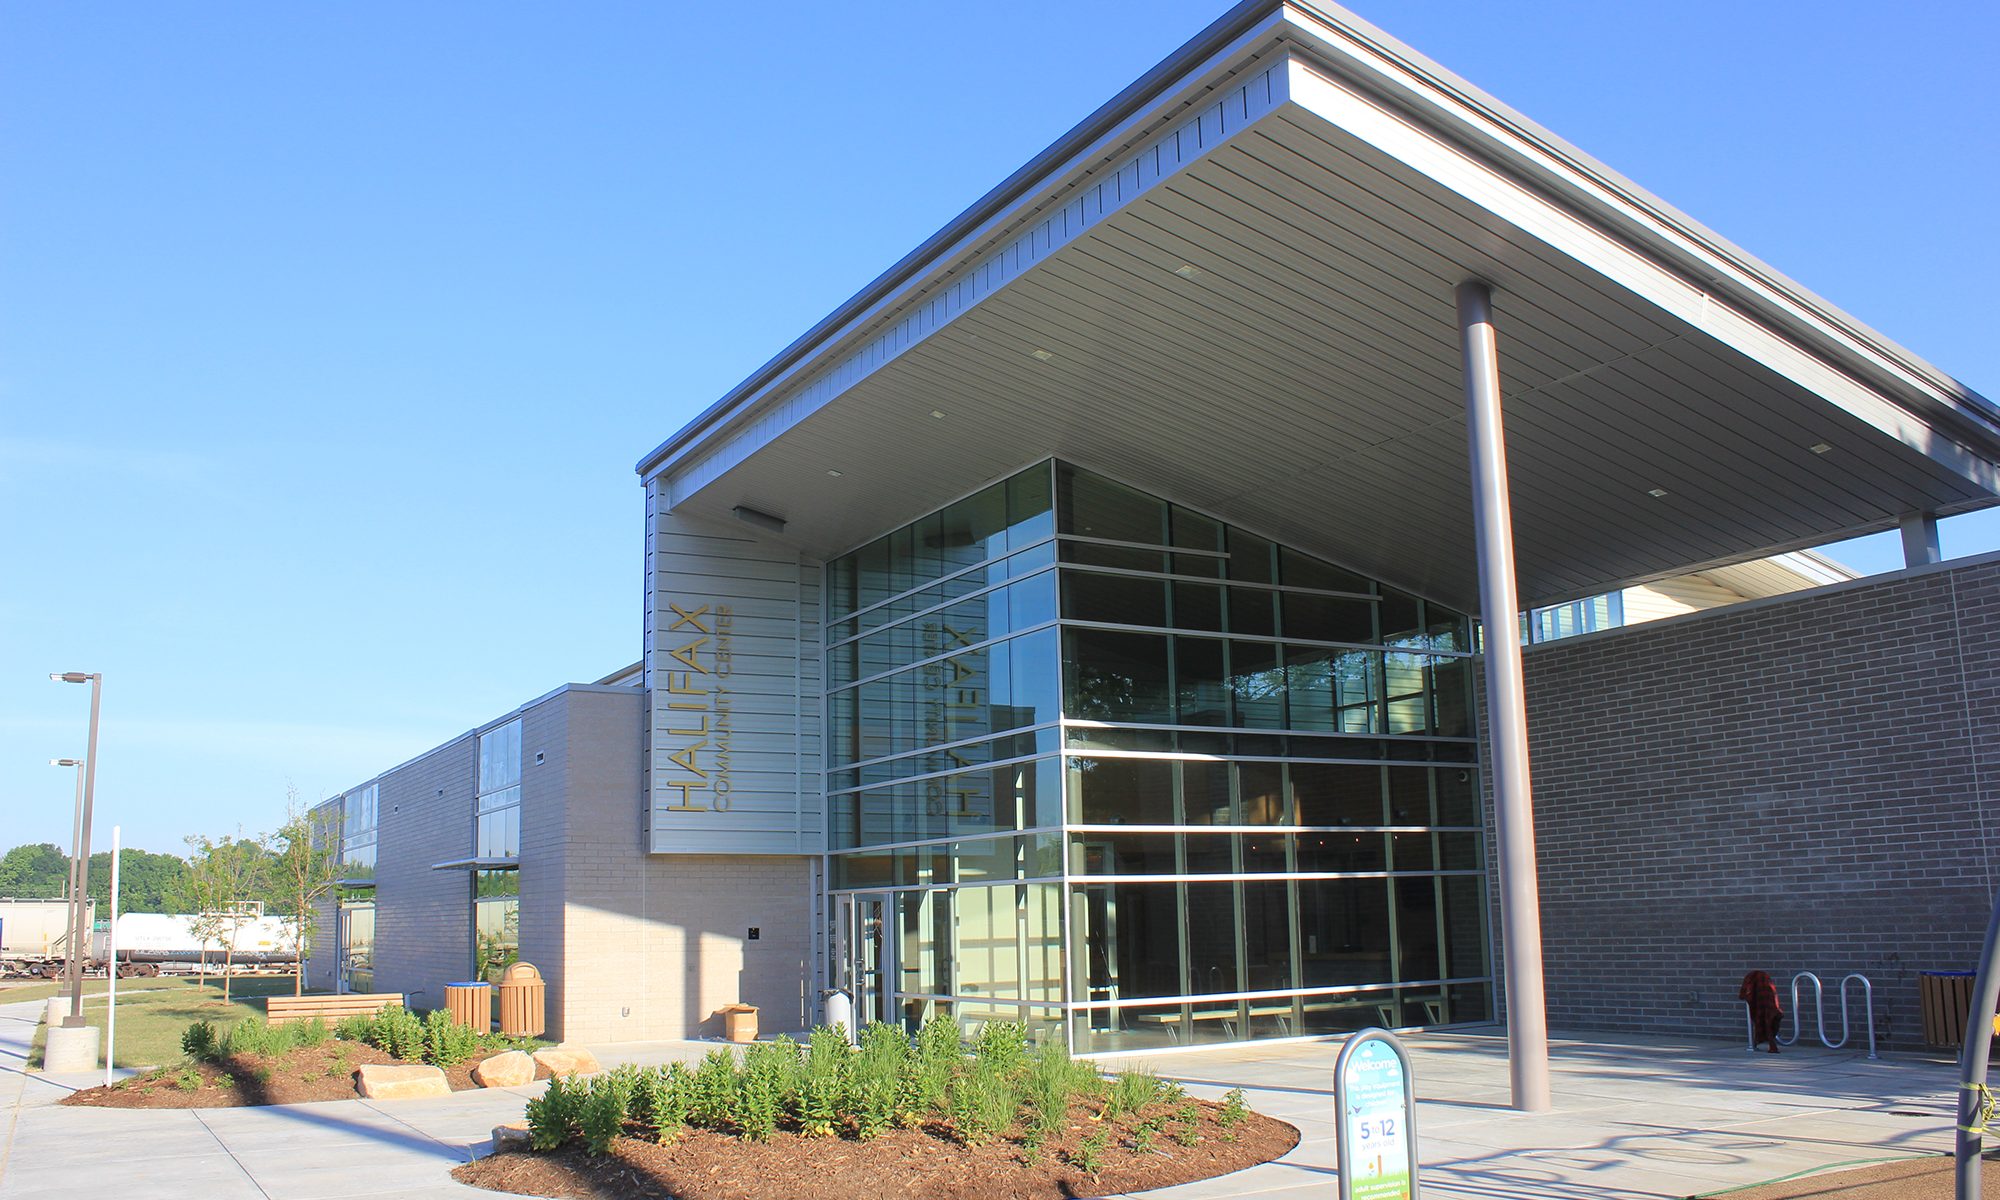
x=1305, y=383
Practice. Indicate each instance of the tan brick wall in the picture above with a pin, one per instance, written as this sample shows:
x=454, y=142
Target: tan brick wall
x=652, y=946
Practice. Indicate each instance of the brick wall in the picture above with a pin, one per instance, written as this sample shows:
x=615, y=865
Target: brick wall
x=1792, y=785
x=423, y=918
x=651, y=946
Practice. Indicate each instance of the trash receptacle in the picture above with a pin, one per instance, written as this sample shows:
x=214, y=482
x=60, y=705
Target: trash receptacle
x=1946, y=998
x=739, y=1022
x=839, y=1010
x=523, y=1000
x=470, y=1004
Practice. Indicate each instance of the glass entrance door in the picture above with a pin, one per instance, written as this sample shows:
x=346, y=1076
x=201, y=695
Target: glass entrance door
x=873, y=969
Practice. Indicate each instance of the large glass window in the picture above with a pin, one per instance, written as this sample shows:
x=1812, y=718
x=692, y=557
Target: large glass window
x=1099, y=756
x=496, y=885
x=357, y=833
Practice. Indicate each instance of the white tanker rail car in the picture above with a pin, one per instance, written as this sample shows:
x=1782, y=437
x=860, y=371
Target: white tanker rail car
x=151, y=942
x=33, y=934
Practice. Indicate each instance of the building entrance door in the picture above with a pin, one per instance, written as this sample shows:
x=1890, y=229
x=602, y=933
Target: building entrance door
x=872, y=961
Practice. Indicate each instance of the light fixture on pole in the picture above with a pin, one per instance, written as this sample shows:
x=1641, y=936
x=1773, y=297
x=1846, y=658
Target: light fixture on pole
x=79, y=869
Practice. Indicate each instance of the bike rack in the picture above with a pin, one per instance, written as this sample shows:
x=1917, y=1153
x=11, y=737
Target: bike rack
x=1819, y=1012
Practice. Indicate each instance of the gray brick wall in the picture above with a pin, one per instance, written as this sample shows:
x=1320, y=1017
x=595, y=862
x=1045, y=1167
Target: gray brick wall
x=1793, y=785
x=423, y=918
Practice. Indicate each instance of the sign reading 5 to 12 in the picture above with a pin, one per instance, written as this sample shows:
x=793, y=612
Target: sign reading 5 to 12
x=1374, y=1094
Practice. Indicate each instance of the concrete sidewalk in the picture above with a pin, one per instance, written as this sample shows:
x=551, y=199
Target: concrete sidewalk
x=1634, y=1120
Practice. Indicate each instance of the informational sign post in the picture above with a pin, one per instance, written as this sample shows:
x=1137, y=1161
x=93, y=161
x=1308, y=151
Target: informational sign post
x=1374, y=1095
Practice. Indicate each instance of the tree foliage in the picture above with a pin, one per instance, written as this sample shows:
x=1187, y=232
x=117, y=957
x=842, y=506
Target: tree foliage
x=223, y=875
x=306, y=866
x=147, y=882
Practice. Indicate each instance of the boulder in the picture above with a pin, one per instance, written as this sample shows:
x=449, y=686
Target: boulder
x=510, y=1137
x=380, y=1082
x=568, y=1062
x=511, y=1069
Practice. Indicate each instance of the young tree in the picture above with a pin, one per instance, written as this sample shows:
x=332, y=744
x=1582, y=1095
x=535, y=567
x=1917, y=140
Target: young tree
x=306, y=865
x=223, y=876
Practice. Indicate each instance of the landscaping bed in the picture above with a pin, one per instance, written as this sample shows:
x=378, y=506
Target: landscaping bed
x=888, y=1120
x=254, y=1063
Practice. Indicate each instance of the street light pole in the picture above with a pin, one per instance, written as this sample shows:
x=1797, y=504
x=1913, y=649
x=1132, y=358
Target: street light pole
x=80, y=862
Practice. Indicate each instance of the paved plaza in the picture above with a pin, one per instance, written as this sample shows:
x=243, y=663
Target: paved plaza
x=1633, y=1119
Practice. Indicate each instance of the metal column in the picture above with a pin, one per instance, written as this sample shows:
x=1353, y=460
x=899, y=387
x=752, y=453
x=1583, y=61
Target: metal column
x=1506, y=707
x=1920, y=540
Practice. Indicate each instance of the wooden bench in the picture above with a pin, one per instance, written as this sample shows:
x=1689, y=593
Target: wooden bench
x=1282, y=1013
x=328, y=1008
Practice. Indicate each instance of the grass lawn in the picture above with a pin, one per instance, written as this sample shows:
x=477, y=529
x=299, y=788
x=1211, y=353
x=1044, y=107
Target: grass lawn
x=152, y=1013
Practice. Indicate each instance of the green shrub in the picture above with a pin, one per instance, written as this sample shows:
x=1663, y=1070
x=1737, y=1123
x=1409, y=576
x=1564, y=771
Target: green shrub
x=189, y=1080
x=399, y=1031
x=1003, y=1046
x=1234, y=1111
x=553, y=1116
x=982, y=1103
x=939, y=1054
x=1187, y=1125
x=309, y=1033
x=603, y=1114
x=445, y=1043
x=712, y=1098
x=355, y=1029
x=1145, y=1135
x=760, y=1091
x=824, y=1091
x=668, y=1092
x=1089, y=1153
x=252, y=1036
x=1052, y=1079
x=198, y=1041
x=876, y=1079
x=1131, y=1092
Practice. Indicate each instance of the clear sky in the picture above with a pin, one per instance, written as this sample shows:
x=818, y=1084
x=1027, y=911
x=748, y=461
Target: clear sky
x=329, y=334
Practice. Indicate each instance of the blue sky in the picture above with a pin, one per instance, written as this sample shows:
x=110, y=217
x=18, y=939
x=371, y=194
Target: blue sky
x=329, y=334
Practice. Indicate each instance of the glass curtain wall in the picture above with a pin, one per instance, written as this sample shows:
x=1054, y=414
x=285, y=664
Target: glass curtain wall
x=1255, y=816
x=496, y=884
x=355, y=829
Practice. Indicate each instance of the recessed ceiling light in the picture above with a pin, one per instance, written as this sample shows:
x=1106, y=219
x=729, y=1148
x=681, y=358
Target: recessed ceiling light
x=1656, y=493
x=1187, y=271
x=1820, y=447
x=1041, y=355
x=835, y=474
x=937, y=414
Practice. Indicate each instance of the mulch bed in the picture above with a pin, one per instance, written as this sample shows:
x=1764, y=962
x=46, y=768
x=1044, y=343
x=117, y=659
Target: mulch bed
x=324, y=1072
x=704, y=1165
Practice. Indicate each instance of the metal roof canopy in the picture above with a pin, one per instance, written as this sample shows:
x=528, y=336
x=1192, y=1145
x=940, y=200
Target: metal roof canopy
x=1233, y=286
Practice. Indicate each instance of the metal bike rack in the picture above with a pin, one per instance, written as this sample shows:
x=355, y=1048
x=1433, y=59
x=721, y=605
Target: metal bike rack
x=1819, y=1012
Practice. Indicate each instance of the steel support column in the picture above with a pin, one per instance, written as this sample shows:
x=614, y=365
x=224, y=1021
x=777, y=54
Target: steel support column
x=1920, y=540
x=1506, y=707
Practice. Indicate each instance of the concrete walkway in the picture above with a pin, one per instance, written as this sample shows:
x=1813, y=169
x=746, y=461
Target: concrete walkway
x=1634, y=1119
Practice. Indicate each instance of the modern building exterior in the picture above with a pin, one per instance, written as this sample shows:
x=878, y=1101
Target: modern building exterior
x=1077, y=627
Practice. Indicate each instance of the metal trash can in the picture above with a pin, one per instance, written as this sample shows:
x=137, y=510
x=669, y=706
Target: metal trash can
x=739, y=1022
x=1946, y=998
x=523, y=1001
x=839, y=1010
x=470, y=1004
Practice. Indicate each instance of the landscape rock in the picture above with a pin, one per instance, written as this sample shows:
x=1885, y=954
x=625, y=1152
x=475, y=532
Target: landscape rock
x=380, y=1082
x=568, y=1062
x=510, y=1137
x=511, y=1069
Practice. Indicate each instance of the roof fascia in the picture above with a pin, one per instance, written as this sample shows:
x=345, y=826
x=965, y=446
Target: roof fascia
x=1366, y=56
x=1234, y=37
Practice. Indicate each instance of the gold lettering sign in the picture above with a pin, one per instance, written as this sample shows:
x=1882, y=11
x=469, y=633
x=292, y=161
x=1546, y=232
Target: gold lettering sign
x=694, y=710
